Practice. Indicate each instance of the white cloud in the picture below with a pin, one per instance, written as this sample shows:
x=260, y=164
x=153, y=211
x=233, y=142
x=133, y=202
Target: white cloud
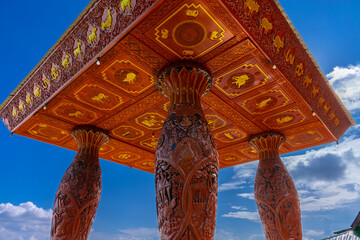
x=247, y=195
x=23, y=222
x=239, y=208
x=346, y=83
x=221, y=234
x=140, y=233
x=252, y=216
x=258, y=237
x=314, y=233
x=327, y=178
x=231, y=186
x=127, y=234
x=245, y=172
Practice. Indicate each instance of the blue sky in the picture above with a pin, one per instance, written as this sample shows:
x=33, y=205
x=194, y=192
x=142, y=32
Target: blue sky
x=327, y=177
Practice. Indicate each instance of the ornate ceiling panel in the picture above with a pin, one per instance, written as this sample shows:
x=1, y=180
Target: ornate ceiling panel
x=263, y=79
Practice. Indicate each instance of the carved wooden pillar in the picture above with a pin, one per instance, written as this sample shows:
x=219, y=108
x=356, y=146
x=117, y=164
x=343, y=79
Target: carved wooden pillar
x=186, y=165
x=78, y=195
x=275, y=192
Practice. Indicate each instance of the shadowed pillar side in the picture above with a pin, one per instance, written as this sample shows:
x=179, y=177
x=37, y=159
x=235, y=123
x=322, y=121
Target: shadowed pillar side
x=275, y=193
x=186, y=165
x=78, y=195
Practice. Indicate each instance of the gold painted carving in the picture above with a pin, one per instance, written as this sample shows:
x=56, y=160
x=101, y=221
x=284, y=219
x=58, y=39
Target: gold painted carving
x=228, y=135
x=188, y=53
x=65, y=63
x=164, y=33
x=321, y=101
x=214, y=35
x=307, y=81
x=130, y=77
x=150, y=122
x=278, y=43
x=14, y=112
x=266, y=25
x=264, y=103
x=147, y=164
x=284, y=119
x=78, y=51
x=92, y=37
x=100, y=98
x=230, y=159
x=21, y=106
x=124, y=156
x=150, y=144
x=134, y=87
x=36, y=90
x=212, y=122
x=125, y=133
x=215, y=122
x=46, y=83
x=252, y=5
x=28, y=98
x=192, y=13
x=290, y=58
x=124, y=4
x=290, y=117
x=77, y=114
x=337, y=122
x=108, y=22
x=55, y=73
x=253, y=86
x=315, y=91
x=332, y=116
x=48, y=132
x=240, y=80
x=192, y=10
x=326, y=108
x=299, y=70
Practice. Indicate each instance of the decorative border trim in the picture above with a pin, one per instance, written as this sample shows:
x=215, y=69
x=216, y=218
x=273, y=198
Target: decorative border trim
x=76, y=49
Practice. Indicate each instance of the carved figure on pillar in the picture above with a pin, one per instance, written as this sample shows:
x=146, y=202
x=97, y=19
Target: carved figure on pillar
x=186, y=165
x=78, y=195
x=275, y=193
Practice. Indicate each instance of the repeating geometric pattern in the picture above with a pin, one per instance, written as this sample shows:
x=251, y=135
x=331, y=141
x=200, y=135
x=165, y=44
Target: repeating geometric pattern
x=262, y=79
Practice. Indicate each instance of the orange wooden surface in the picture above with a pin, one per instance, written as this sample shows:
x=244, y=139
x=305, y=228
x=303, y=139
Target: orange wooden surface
x=248, y=96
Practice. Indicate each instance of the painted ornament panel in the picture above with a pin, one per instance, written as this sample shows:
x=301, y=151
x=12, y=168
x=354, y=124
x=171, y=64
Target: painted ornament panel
x=190, y=31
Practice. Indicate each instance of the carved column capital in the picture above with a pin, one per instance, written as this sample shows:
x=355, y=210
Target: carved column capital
x=267, y=145
x=89, y=140
x=184, y=83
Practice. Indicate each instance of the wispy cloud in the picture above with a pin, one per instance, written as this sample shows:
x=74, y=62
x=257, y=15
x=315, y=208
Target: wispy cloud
x=314, y=233
x=252, y=216
x=221, y=234
x=231, y=186
x=346, y=83
x=247, y=195
x=327, y=178
x=127, y=234
x=25, y=221
x=257, y=237
x=140, y=233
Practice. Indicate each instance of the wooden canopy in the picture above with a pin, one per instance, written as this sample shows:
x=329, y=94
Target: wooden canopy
x=103, y=72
